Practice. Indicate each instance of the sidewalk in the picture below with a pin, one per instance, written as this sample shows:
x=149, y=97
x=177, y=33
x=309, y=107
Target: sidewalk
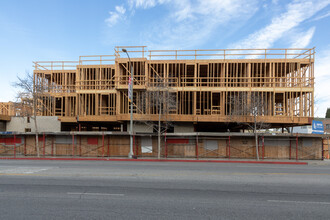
x=190, y=160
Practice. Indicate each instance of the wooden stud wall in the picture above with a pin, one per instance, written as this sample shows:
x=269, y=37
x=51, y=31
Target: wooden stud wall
x=201, y=88
x=7, y=108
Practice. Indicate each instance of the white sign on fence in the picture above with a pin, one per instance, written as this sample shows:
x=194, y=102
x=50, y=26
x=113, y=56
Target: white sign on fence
x=146, y=145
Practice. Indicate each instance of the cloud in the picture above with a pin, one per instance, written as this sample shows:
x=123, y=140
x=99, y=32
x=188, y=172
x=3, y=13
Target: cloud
x=321, y=16
x=297, y=12
x=302, y=39
x=115, y=16
x=183, y=24
x=145, y=4
x=192, y=23
x=322, y=82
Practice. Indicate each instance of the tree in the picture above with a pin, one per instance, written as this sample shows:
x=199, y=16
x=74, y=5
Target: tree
x=27, y=98
x=327, y=114
x=248, y=109
x=157, y=99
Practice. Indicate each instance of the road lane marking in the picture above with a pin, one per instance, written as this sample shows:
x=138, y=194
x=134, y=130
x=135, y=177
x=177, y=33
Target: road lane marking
x=20, y=174
x=95, y=194
x=22, y=170
x=309, y=174
x=286, y=167
x=302, y=202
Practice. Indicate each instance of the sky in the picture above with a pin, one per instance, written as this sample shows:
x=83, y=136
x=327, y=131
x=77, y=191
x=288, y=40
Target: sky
x=42, y=30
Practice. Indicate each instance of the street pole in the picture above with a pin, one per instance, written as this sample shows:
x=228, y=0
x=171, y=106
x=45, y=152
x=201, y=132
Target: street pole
x=130, y=154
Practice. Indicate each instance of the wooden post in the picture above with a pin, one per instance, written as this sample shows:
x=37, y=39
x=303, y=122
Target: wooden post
x=322, y=150
x=259, y=144
x=43, y=144
x=290, y=150
x=72, y=145
x=166, y=151
x=297, y=147
x=53, y=146
x=103, y=144
x=35, y=144
x=328, y=149
x=24, y=145
x=137, y=148
x=197, y=146
x=108, y=146
x=228, y=147
x=80, y=145
x=14, y=145
x=263, y=147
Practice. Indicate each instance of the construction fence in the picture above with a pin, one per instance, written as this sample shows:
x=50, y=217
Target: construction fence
x=192, y=145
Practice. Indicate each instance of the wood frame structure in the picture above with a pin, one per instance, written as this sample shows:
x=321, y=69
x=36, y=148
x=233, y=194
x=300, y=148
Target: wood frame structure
x=7, y=109
x=93, y=91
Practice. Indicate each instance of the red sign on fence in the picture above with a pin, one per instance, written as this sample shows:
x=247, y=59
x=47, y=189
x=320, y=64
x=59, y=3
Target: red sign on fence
x=93, y=141
x=10, y=141
x=177, y=141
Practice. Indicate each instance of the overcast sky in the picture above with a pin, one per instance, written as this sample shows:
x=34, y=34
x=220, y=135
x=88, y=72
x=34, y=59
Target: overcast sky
x=65, y=29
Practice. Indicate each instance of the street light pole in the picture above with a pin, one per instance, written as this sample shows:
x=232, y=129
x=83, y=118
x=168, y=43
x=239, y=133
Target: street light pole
x=130, y=95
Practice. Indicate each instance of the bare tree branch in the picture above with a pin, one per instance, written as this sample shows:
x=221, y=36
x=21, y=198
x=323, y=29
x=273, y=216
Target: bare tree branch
x=248, y=109
x=28, y=96
x=157, y=100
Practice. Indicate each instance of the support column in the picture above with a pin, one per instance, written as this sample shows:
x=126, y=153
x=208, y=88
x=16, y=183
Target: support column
x=228, y=147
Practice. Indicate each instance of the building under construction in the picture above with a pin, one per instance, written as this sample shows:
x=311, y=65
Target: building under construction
x=209, y=89
x=203, y=98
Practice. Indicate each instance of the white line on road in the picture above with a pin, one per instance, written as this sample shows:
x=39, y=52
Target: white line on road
x=303, y=202
x=94, y=194
x=286, y=167
x=22, y=170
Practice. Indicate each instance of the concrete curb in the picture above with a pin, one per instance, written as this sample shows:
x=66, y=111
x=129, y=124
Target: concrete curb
x=163, y=160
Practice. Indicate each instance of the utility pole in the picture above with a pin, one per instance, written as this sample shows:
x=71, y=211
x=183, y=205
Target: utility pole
x=130, y=97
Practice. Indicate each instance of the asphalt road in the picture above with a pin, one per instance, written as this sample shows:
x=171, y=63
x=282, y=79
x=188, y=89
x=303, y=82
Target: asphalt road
x=160, y=190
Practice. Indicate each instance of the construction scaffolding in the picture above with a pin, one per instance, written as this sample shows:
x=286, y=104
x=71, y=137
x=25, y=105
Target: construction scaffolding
x=94, y=90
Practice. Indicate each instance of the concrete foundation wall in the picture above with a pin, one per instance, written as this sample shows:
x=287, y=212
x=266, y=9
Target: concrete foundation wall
x=2, y=126
x=183, y=127
x=140, y=128
x=44, y=123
